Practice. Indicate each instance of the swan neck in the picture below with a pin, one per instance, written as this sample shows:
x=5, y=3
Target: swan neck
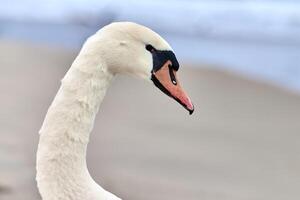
x=61, y=156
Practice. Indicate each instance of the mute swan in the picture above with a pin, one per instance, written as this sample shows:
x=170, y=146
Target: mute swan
x=118, y=48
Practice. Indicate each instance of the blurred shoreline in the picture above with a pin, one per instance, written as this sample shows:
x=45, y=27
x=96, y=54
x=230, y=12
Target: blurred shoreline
x=276, y=63
x=258, y=39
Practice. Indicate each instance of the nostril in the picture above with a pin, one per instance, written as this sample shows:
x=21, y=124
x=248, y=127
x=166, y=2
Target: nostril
x=172, y=75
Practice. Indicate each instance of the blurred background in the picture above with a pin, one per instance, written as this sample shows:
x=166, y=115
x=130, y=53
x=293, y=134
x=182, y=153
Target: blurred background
x=240, y=63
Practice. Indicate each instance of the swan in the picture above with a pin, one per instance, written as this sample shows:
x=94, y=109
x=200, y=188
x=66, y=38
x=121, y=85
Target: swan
x=118, y=48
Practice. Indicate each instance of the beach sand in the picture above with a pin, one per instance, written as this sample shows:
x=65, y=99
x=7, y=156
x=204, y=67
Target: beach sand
x=241, y=143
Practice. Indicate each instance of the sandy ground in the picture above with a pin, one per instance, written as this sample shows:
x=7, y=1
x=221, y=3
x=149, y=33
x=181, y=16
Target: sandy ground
x=242, y=143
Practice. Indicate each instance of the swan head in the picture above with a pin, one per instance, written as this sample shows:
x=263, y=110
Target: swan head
x=130, y=48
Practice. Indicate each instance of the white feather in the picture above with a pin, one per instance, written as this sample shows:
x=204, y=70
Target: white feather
x=62, y=172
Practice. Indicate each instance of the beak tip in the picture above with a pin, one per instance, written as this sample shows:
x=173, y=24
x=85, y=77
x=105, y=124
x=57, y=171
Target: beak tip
x=190, y=108
x=191, y=111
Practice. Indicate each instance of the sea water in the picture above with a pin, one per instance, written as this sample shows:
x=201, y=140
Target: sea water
x=260, y=39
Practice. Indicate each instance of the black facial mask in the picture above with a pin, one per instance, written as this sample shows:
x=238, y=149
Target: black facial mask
x=160, y=57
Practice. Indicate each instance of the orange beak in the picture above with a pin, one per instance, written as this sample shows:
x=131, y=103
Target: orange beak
x=166, y=80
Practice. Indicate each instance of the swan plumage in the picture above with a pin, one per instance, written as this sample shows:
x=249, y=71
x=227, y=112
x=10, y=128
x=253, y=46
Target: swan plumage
x=118, y=48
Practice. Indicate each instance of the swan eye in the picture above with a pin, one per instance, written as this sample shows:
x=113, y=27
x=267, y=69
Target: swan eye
x=150, y=48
